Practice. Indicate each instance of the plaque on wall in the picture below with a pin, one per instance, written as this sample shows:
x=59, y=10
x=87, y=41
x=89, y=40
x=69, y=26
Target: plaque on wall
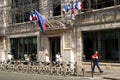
x=67, y=40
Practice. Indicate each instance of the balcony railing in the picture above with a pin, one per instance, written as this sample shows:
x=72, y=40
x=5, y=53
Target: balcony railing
x=51, y=24
x=101, y=16
x=21, y=27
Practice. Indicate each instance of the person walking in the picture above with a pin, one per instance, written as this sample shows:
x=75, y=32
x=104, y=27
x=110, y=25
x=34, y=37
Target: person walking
x=95, y=62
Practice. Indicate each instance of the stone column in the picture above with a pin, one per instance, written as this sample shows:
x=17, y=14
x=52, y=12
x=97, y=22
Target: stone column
x=6, y=12
x=4, y=53
x=79, y=42
x=41, y=47
x=38, y=45
x=44, y=8
x=79, y=46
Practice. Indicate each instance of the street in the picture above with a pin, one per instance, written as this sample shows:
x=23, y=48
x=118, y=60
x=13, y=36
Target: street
x=25, y=76
x=108, y=75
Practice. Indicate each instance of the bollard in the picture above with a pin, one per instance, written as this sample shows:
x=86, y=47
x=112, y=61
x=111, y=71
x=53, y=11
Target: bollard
x=91, y=68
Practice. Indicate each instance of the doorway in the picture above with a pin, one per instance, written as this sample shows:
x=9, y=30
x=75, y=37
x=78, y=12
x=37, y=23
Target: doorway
x=54, y=47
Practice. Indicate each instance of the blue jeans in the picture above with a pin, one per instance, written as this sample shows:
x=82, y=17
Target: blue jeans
x=95, y=63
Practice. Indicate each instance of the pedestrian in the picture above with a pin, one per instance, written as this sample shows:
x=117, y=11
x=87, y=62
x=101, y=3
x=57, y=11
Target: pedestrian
x=47, y=59
x=27, y=58
x=30, y=59
x=33, y=57
x=9, y=58
x=95, y=62
x=58, y=59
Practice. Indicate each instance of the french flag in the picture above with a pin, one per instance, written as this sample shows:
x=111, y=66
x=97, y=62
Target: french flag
x=33, y=18
x=66, y=9
x=41, y=21
x=79, y=6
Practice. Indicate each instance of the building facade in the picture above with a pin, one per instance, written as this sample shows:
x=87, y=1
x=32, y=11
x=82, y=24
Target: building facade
x=94, y=28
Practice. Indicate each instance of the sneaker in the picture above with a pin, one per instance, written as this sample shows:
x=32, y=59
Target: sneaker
x=101, y=71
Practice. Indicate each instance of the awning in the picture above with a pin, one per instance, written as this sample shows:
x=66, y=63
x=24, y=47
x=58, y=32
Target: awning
x=54, y=24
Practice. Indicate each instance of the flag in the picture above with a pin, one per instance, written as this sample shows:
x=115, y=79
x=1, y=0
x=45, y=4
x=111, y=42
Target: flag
x=33, y=17
x=79, y=6
x=66, y=9
x=73, y=14
x=72, y=7
x=30, y=18
x=41, y=21
x=73, y=11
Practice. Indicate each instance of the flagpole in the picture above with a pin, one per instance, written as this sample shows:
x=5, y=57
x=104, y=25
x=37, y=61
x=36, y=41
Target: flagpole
x=65, y=13
x=71, y=9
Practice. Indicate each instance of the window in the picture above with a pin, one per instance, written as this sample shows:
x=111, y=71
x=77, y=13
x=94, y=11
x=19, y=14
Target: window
x=106, y=42
x=97, y=4
x=22, y=46
x=26, y=2
x=85, y=4
x=26, y=16
x=16, y=3
x=21, y=9
x=19, y=18
x=34, y=1
x=117, y=2
x=105, y=3
x=57, y=8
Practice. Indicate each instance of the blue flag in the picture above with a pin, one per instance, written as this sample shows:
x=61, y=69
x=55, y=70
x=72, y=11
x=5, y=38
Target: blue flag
x=41, y=21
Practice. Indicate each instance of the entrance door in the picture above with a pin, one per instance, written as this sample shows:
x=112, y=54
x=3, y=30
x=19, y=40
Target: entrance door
x=54, y=47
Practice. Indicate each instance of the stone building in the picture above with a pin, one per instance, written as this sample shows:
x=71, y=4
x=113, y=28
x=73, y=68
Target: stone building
x=95, y=28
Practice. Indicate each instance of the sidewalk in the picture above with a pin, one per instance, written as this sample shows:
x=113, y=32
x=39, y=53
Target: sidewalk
x=113, y=75
x=106, y=75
